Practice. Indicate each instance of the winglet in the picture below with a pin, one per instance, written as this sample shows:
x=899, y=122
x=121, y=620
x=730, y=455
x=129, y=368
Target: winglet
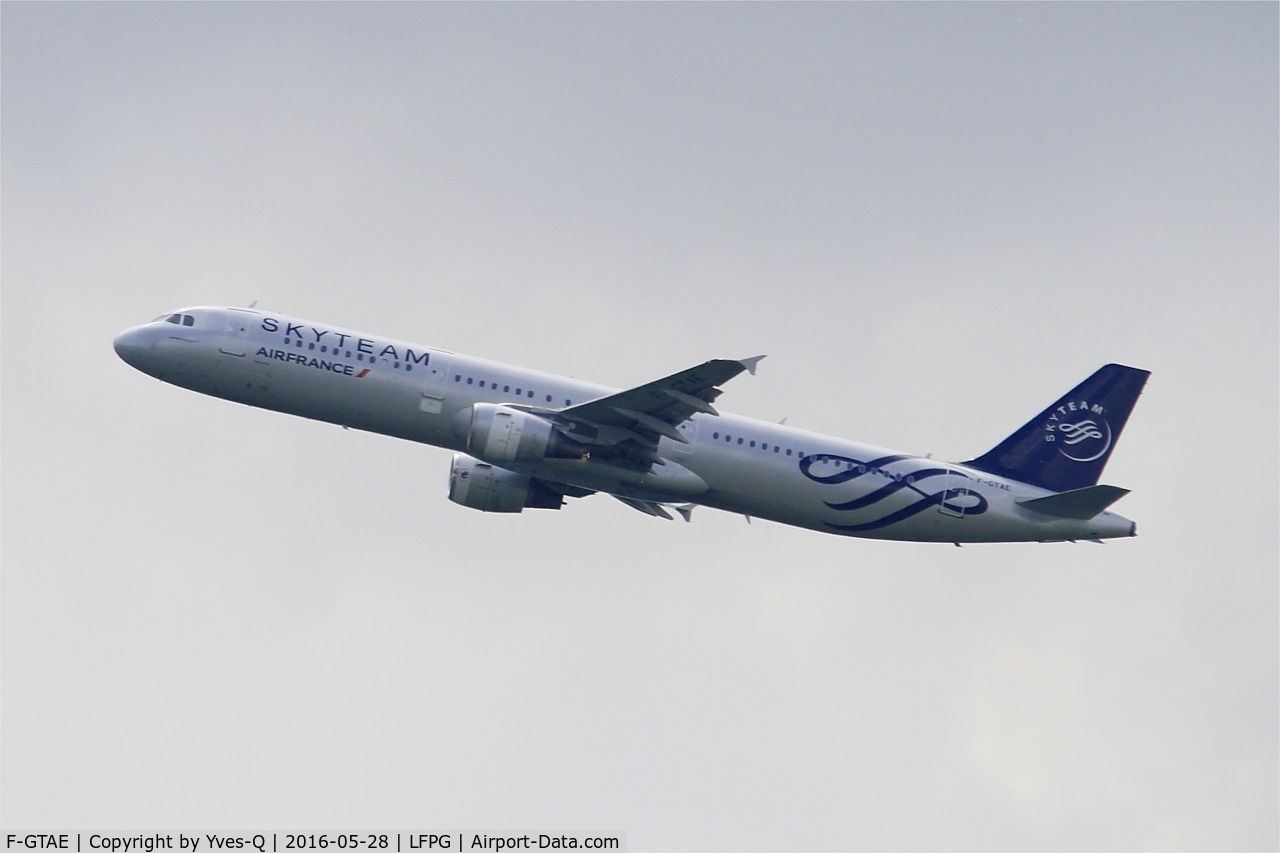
x=750, y=363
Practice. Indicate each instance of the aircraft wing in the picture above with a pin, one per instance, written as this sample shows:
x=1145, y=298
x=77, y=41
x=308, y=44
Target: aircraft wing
x=659, y=510
x=632, y=422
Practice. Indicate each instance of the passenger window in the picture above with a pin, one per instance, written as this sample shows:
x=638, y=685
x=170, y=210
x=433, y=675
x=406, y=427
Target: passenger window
x=739, y=441
x=788, y=451
x=506, y=389
x=481, y=383
x=468, y=380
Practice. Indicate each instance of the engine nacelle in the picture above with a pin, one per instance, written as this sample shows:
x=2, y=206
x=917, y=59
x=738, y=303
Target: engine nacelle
x=488, y=488
x=502, y=434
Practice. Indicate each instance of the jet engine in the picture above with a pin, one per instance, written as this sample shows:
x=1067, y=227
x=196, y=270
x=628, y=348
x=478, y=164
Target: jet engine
x=488, y=488
x=503, y=434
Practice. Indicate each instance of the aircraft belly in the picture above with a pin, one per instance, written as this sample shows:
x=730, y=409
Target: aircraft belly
x=772, y=491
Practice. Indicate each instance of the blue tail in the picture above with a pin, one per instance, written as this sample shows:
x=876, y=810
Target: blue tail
x=1067, y=445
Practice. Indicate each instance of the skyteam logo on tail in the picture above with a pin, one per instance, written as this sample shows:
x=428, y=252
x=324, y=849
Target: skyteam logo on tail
x=1080, y=431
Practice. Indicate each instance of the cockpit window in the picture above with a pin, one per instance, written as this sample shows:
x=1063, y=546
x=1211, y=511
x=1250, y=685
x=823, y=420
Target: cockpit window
x=188, y=320
x=176, y=319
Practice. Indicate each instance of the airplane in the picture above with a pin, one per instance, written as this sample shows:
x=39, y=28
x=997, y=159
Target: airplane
x=523, y=439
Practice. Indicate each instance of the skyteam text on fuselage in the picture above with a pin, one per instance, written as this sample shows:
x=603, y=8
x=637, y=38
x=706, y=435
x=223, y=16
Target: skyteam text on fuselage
x=525, y=439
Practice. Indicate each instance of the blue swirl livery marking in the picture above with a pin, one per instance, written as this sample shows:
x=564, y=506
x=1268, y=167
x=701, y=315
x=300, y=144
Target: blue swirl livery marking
x=1086, y=430
x=1077, y=433
x=855, y=468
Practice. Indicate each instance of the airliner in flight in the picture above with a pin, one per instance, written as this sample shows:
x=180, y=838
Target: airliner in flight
x=525, y=439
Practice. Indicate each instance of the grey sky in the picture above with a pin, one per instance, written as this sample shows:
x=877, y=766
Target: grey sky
x=933, y=218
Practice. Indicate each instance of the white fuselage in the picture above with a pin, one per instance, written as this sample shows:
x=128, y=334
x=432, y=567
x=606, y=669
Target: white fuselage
x=758, y=469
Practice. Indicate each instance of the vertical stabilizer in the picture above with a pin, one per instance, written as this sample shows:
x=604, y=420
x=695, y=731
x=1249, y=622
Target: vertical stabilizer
x=1068, y=444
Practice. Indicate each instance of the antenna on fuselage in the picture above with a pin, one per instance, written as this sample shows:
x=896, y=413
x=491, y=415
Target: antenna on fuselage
x=253, y=304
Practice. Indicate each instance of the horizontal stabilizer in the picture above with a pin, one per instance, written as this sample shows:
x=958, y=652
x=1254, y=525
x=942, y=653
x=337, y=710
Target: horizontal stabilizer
x=1081, y=504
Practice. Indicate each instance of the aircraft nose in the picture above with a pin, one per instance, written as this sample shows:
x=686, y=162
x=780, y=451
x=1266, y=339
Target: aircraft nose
x=131, y=345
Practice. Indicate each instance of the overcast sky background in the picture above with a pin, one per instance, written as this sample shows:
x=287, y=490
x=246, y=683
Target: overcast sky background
x=935, y=219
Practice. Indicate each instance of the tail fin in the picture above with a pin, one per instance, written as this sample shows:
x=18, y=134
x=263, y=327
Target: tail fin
x=1067, y=445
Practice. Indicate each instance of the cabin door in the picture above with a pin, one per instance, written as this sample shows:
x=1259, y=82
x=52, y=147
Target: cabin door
x=433, y=392
x=952, y=504
x=235, y=333
x=689, y=429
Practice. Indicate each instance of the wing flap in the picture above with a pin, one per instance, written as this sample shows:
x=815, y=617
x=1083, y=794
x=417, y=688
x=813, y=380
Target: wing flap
x=659, y=510
x=647, y=507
